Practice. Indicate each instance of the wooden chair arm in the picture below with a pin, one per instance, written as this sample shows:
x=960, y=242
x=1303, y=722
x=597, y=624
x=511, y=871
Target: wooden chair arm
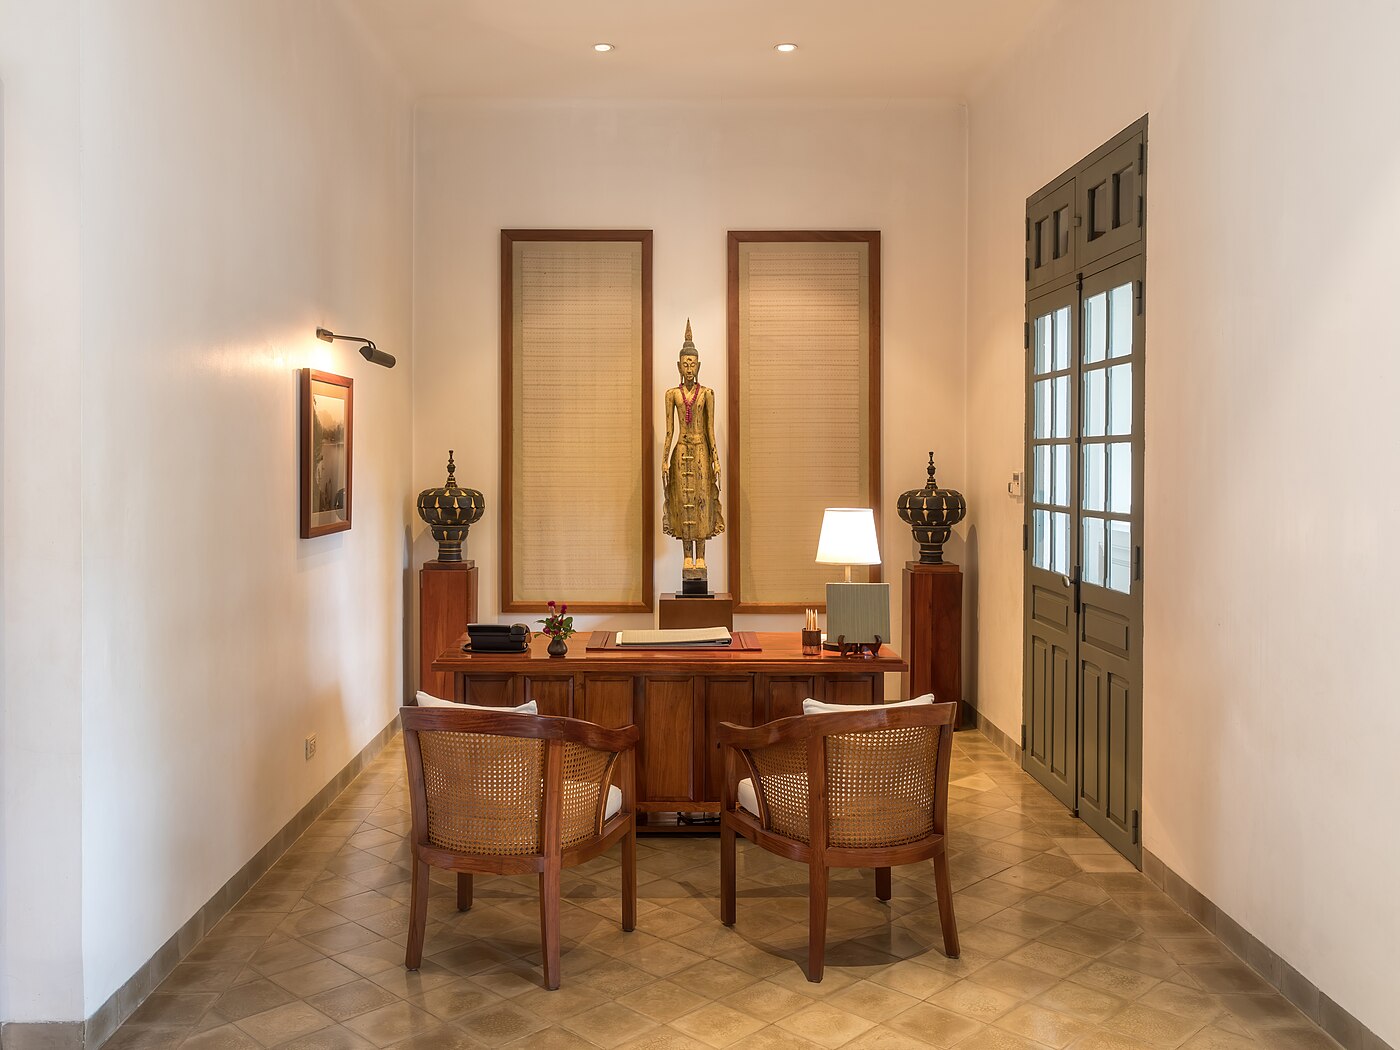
x=536, y=727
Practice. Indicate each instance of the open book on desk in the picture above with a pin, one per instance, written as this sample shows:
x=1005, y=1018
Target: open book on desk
x=699, y=637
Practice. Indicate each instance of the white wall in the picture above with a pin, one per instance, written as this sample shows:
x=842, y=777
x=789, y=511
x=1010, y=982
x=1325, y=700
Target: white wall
x=214, y=182
x=1269, y=575
x=40, y=731
x=691, y=173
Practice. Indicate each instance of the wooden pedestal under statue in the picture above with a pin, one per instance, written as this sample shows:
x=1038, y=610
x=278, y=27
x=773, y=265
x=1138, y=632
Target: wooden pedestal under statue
x=933, y=631
x=680, y=612
x=446, y=604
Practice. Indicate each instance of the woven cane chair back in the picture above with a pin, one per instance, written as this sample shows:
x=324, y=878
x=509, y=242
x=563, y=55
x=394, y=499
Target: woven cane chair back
x=782, y=776
x=484, y=793
x=881, y=786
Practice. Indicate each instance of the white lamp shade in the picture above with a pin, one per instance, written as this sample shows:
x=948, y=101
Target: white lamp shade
x=848, y=537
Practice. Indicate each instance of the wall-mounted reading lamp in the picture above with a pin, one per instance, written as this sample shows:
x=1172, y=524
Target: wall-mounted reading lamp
x=369, y=351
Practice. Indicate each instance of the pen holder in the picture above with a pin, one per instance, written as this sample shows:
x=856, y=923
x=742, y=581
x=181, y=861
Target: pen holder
x=811, y=643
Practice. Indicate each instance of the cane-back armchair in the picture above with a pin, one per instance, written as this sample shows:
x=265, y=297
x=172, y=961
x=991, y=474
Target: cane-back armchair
x=868, y=789
x=495, y=792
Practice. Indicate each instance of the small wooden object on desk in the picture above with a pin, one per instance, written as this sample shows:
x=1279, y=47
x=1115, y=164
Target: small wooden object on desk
x=811, y=635
x=933, y=631
x=446, y=604
x=678, y=612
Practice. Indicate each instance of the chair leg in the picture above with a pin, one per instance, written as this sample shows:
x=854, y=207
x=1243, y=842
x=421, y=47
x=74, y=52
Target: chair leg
x=727, y=890
x=549, y=923
x=816, y=934
x=417, y=915
x=943, y=883
x=629, y=878
x=882, y=884
x=464, y=891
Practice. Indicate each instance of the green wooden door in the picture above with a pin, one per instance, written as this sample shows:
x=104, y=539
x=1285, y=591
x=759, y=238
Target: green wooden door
x=1085, y=244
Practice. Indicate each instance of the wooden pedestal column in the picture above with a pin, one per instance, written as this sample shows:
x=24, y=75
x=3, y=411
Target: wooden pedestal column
x=933, y=631
x=446, y=604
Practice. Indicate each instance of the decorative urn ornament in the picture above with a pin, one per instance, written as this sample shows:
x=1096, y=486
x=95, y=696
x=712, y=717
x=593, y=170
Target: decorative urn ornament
x=932, y=512
x=450, y=512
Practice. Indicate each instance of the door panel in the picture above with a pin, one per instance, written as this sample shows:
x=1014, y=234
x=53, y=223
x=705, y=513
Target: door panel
x=1050, y=235
x=1110, y=537
x=785, y=695
x=552, y=696
x=1052, y=725
x=668, y=740
x=726, y=700
x=1109, y=202
x=607, y=701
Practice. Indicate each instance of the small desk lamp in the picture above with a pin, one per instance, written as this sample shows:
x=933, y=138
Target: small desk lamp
x=857, y=614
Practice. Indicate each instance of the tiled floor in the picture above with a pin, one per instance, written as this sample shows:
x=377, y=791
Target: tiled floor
x=1063, y=946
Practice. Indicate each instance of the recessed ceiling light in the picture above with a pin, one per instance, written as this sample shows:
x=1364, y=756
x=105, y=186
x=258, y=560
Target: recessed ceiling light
x=602, y=47
x=784, y=48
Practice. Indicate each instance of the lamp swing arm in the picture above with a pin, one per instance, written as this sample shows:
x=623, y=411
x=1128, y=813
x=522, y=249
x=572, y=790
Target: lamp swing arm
x=368, y=351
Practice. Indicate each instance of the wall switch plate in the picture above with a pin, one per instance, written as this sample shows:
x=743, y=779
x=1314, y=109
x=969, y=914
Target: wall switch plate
x=311, y=747
x=1013, y=487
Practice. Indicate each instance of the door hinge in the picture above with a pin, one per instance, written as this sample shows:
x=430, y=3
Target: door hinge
x=1026, y=334
x=1028, y=229
x=1077, y=579
x=1139, y=298
x=1077, y=221
x=1079, y=285
x=1135, y=827
x=1023, y=737
x=1137, y=562
x=1139, y=211
x=1025, y=538
x=1142, y=157
x=1028, y=269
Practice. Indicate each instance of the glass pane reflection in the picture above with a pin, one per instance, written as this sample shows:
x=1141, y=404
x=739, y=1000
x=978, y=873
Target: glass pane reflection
x=1042, y=344
x=1096, y=328
x=1040, y=483
x=1040, y=539
x=1120, y=477
x=1042, y=408
x=1060, y=496
x=1059, y=542
x=1093, y=554
x=1120, y=399
x=1062, y=338
x=1095, y=403
x=1121, y=315
x=1094, y=478
x=1119, y=556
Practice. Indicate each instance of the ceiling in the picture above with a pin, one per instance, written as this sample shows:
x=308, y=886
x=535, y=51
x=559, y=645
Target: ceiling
x=683, y=49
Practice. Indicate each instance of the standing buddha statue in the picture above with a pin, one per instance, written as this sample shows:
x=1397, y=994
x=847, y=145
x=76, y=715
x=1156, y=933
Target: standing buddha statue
x=690, y=468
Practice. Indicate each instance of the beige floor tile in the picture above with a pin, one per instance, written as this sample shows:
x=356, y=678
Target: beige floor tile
x=974, y=1000
x=718, y=1025
x=1042, y=1025
x=392, y=1022
x=609, y=1024
x=282, y=1023
x=938, y=1027
x=825, y=1025
x=664, y=1001
x=1152, y=1026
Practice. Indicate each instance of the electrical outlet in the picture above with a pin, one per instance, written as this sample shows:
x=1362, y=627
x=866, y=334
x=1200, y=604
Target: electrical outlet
x=311, y=747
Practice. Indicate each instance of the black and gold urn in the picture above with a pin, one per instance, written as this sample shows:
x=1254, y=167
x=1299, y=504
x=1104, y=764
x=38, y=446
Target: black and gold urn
x=450, y=512
x=932, y=512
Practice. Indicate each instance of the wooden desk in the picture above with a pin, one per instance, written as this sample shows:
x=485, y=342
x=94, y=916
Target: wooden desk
x=677, y=699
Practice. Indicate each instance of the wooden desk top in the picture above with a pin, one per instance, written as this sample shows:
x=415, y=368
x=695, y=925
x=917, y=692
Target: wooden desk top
x=782, y=654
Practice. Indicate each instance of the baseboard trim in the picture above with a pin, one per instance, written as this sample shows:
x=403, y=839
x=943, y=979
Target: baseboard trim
x=989, y=729
x=97, y=1029
x=1263, y=960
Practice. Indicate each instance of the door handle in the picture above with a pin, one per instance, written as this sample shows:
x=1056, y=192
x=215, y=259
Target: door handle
x=1066, y=581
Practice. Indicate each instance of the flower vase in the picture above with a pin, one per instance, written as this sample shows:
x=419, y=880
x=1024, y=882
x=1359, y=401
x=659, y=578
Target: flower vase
x=557, y=646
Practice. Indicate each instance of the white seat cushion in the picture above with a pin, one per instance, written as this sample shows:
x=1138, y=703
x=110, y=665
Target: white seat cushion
x=428, y=700
x=614, y=803
x=816, y=707
x=748, y=797
x=589, y=790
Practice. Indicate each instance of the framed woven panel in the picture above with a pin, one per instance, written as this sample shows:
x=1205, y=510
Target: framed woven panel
x=804, y=423
x=576, y=430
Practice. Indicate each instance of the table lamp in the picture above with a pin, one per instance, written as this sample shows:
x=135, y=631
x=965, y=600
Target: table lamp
x=857, y=614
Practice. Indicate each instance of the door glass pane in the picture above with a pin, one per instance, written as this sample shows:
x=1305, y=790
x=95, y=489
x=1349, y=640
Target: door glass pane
x=1062, y=338
x=1042, y=408
x=1119, y=556
x=1096, y=328
x=1120, y=399
x=1094, y=477
x=1095, y=405
x=1061, y=492
x=1040, y=483
x=1093, y=555
x=1040, y=540
x=1062, y=406
x=1059, y=542
x=1042, y=344
x=1121, y=315
x=1120, y=477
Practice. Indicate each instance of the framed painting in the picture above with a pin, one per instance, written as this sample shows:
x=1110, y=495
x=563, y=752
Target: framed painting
x=326, y=431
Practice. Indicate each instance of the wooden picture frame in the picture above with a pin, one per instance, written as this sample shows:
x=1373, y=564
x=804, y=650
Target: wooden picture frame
x=641, y=545
x=735, y=500
x=327, y=464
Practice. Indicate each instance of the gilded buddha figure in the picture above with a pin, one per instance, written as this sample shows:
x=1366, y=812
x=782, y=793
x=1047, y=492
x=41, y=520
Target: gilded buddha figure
x=690, y=468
